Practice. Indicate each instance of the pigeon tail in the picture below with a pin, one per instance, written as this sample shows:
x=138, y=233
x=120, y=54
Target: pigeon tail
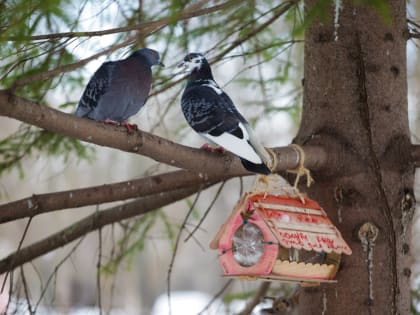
x=256, y=168
x=258, y=147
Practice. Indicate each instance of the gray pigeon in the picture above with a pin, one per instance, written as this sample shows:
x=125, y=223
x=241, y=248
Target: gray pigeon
x=211, y=113
x=119, y=89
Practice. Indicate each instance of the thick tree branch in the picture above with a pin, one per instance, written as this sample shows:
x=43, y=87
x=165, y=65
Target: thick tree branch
x=143, y=143
x=43, y=203
x=91, y=223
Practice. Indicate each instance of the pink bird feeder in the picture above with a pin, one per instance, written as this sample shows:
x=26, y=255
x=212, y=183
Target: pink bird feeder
x=278, y=237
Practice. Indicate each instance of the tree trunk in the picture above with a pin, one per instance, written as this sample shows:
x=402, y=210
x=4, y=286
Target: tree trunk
x=355, y=104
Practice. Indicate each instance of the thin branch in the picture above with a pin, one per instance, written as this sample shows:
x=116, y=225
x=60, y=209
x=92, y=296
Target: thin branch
x=25, y=232
x=30, y=56
x=206, y=212
x=114, y=274
x=256, y=299
x=143, y=28
x=216, y=296
x=10, y=293
x=282, y=9
x=413, y=35
x=54, y=272
x=98, y=270
x=241, y=186
x=175, y=249
x=45, y=75
x=413, y=32
x=26, y=291
x=196, y=240
x=92, y=223
x=239, y=27
x=43, y=203
x=144, y=143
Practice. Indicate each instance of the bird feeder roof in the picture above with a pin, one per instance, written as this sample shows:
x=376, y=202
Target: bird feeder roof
x=295, y=222
x=299, y=223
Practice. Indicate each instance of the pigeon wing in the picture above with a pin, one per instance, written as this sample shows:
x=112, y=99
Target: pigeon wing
x=215, y=117
x=127, y=92
x=137, y=83
x=94, y=90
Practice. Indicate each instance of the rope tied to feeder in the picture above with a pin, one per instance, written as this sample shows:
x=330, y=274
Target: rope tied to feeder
x=271, y=184
x=300, y=170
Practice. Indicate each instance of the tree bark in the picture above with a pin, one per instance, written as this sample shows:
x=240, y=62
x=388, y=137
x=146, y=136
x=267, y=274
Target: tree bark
x=355, y=103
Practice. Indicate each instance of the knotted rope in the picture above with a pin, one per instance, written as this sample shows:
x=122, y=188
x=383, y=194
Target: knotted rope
x=272, y=164
x=300, y=170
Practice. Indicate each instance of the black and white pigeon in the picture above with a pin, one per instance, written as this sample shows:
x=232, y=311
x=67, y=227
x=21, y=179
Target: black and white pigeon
x=119, y=89
x=212, y=114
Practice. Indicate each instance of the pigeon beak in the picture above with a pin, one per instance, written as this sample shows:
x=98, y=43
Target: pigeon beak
x=160, y=63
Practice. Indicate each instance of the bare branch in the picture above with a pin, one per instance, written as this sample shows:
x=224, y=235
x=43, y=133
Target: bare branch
x=142, y=28
x=43, y=203
x=175, y=249
x=98, y=271
x=91, y=223
x=26, y=291
x=256, y=299
x=216, y=296
x=53, y=274
x=413, y=35
x=143, y=143
x=206, y=212
x=70, y=67
x=25, y=231
x=282, y=9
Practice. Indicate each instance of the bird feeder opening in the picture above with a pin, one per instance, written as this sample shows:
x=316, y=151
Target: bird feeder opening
x=247, y=245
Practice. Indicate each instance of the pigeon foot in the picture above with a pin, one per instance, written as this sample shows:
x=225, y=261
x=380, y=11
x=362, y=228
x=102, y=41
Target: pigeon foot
x=210, y=148
x=130, y=127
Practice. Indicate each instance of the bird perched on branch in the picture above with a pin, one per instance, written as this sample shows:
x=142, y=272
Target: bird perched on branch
x=119, y=89
x=212, y=114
